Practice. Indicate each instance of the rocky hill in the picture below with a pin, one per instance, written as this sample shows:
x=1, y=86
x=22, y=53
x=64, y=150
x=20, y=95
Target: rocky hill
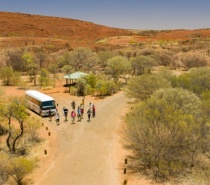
x=18, y=29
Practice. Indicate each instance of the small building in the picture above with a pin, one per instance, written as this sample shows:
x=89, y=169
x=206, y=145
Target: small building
x=71, y=79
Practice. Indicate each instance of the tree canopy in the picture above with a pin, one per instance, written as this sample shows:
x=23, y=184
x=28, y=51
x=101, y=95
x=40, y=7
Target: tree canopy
x=142, y=87
x=165, y=133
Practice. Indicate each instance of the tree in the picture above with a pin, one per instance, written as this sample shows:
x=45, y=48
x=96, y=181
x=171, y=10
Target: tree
x=91, y=79
x=142, y=64
x=81, y=89
x=66, y=59
x=142, y=87
x=83, y=58
x=67, y=69
x=9, y=76
x=41, y=57
x=32, y=126
x=165, y=133
x=53, y=68
x=31, y=66
x=103, y=57
x=3, y=172
x=197, y=80
x=15, y=60
x=105, y=87
x=44, y=79
x=165, y=59
x=168, y=75
x=117, y=66
x=6, y=74
x=194, y=60
x=19, y=167
x=14, y=111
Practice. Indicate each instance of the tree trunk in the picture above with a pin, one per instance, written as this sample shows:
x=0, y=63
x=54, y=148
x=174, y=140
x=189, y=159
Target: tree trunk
x=18, y=136
x=34, y=80
x=8, y=141
x=9, y=136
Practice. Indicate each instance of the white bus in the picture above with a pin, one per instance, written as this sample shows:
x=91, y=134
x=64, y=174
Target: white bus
x=39, y=102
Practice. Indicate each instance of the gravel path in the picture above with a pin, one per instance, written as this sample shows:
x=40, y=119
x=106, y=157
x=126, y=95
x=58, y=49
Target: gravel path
x=86, y=153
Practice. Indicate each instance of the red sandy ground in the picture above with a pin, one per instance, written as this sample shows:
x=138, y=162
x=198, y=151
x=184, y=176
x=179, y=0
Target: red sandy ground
x=51, y=142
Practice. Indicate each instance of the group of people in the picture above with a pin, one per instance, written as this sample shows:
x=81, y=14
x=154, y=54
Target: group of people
x=79, y=113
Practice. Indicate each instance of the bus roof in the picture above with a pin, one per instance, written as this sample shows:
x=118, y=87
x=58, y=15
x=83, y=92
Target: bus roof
x=38, y=95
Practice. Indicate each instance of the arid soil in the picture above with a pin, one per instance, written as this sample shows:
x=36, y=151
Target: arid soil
x=85, y=153
x=21, y=30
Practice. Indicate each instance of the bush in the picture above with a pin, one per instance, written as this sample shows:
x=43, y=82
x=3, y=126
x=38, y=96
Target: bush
x=104, y=88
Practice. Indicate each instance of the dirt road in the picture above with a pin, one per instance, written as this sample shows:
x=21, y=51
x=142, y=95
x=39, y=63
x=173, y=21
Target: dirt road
x=86, y=153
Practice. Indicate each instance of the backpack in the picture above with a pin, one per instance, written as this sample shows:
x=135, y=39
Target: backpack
x=73, y=114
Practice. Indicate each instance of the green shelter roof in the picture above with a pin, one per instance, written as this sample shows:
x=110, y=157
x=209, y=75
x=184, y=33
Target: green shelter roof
x=75, y=75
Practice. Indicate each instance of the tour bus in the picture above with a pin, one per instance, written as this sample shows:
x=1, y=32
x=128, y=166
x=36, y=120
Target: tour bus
x=40, y=103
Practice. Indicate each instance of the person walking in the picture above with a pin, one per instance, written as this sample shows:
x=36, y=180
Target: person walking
x=57, y=118
x=89, y=114
x=83, y=102
x=73, y=115
x=93, y=111
x=50, y=114
x=73, y=105
x=90, y=105
x=82, y=111
x=65, y=112
x=79, y=113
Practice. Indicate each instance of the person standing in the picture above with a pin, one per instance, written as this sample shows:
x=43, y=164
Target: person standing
x=65, y=112
x=83, y=102
x=57, y=118
x=73, y=115
x=50, y=114
x=82, y=111
x=79, y=113
x=89, y=114
x=73, y=105
x=93, y=111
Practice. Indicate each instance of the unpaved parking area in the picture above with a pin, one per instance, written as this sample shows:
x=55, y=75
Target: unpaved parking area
x=85, y=153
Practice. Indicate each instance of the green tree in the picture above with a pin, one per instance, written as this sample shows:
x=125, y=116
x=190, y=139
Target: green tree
x=91, y=79
x=197, y=80
x=103, y=57
x=8, y=76
x=117, y=66
x=65, y=59
x=105, y=87
x=32, y=66
x=165, y=133
x=19, y=168
x=81, y=89
x=14, y=111
x=168, y=75
x=83, y=58
x=44, y=79
x=142, y=87
x=142, y=64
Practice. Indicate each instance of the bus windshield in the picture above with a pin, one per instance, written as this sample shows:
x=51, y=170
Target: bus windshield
x=48, y=104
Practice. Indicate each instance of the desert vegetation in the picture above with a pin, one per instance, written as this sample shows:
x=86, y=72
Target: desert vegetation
x=167, y=129
x=18, y=133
